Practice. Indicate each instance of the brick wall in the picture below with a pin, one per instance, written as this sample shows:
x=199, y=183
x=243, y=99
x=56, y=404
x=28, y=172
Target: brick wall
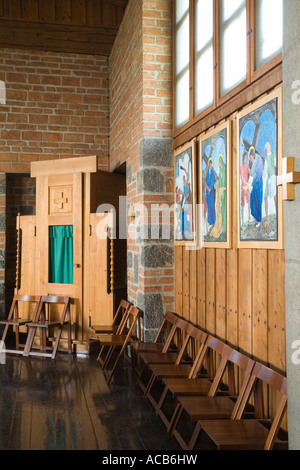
x=56, y=106
x=140, y=69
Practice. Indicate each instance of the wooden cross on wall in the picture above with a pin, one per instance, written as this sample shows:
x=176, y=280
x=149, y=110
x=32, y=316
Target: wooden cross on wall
x=288, y=178
x=60, y=201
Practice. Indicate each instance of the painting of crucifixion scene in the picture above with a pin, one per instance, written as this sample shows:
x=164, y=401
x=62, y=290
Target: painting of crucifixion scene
x=257, y=171
x=215, y=187
x=185, y=194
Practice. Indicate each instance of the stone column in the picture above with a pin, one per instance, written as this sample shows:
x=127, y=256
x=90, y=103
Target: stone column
x=154, y=263
x=291, y=146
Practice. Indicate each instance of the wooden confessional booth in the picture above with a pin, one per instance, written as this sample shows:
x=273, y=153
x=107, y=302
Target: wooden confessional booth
x=62, y=249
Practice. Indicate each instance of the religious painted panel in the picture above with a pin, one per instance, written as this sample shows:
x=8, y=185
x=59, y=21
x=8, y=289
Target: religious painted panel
x=215, y=186
x=259, y=158
x=185, y=195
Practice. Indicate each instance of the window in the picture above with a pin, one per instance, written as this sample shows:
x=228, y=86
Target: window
x=233, y=41
x=204, y=55
x=221, y=48
x=182, y=61
x=269, y=30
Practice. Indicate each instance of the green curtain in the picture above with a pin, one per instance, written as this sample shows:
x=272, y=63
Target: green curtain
x=61, y=254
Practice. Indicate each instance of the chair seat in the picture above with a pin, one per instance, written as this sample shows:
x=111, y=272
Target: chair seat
x=111, y=339
x=15, y=321
x=245, y=434
x=44, y=324
x=170, y=370
x=141, y=347
x=105, y=328
x=207, y=407
x=185, y=386
x=158, y=358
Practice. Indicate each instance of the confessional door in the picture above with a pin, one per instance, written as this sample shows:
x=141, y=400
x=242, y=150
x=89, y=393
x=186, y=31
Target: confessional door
x=59, y=240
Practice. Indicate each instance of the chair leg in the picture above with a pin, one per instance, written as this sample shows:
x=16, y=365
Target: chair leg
x=173, y=426
x=4, y=333
x=175, y=418
x=29, y=341
x=161, y=401
x=194, y=437
x=111, y=373
x=149, y=385
x=57, y=340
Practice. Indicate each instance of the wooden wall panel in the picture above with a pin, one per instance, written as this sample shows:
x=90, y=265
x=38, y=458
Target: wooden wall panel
x=193, y=286
x=238, y=294
x=260, y=305
x=186, y=282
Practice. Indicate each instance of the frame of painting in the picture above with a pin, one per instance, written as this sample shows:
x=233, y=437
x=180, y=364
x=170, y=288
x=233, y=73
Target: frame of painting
x=185, y=195
x=259, y=161
x=215, y=186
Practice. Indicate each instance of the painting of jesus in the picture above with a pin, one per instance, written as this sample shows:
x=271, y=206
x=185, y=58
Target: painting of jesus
x=259, y=151
x=215, y=187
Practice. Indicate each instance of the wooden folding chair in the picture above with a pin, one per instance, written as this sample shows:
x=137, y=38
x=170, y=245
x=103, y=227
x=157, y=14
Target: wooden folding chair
x=252, y=434
x=118, y=326
x=160, y=339
x=121, y=340
x=15, y=321
x=190, y=409
x=107, y=339
x=118, y=319
x=195, y=382
x=43, y=322
x=166, y=356
x=179, y=369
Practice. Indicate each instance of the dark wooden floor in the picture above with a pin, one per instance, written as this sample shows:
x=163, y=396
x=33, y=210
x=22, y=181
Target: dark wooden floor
x=66, y=404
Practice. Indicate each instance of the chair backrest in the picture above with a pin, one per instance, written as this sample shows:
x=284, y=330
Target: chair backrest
x=14, y=309
x=55, y=299
x=192, y=335
x=231, y=358
x=264, y=375
x=211, y=345
x=132, y=318
x=168, y=321
x=122, y=312
x=27, y=298
x=175, y=330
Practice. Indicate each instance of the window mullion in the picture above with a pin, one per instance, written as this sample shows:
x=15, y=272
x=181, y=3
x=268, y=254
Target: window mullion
x=216, y=45
x=192, y=52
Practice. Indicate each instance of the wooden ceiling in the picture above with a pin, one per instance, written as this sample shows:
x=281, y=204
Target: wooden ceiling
x=76, y=26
